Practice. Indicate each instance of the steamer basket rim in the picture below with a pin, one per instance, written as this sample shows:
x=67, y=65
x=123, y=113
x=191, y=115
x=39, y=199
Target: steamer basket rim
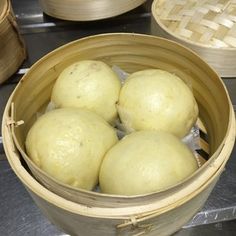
x=106, y=35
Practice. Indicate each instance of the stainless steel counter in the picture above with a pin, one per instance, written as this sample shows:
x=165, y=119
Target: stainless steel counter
x=18, y=213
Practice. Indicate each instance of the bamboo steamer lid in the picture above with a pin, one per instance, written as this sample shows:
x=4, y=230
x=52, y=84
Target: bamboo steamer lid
x=89, y=213
x=87, y=10
x=208, y=27
x=11, y=44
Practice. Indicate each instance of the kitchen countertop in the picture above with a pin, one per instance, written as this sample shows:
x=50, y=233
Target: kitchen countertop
x=18, y=213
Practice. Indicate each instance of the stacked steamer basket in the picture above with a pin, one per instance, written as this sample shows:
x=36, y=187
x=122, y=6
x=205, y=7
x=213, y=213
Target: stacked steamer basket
x=80, y=212
x=208, y=27
x=87, y=10
x=11, y=45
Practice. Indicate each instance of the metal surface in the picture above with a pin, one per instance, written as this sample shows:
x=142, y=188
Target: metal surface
x=18, y=213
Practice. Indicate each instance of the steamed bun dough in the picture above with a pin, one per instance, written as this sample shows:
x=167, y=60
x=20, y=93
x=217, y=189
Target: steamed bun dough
x=88, y=84
x=157, y=100
x=145, y=162
x=69, y=144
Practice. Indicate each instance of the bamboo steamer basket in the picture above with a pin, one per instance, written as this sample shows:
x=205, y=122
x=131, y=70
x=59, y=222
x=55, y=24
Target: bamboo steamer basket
x=208, y=27
x=87, y=10
x=11, y=44
x=80, y=212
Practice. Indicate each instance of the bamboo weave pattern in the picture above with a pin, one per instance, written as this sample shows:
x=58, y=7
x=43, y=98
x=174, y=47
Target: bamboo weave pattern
x=208, y=22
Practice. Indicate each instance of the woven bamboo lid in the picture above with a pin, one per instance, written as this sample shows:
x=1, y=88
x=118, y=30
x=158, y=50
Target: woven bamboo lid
x=207, y=26
x=87, y=10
